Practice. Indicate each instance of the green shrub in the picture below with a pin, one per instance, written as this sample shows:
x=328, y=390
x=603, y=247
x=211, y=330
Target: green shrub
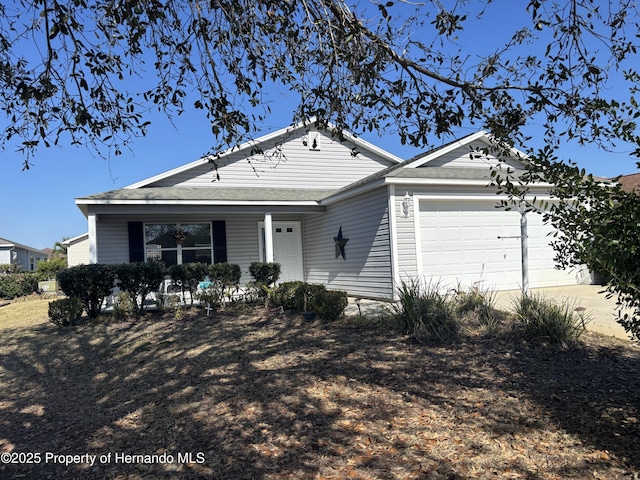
x=424, y=312
x=17, y=285
x=49, y=269
x=211, y=297
x=305, y=296
x=188, y=276
x=90, y=283
x=253, y=293
x=65, y=312
x=544, y=319
x=138, y=279
x=329, y=305
x=10, y=268
x=227, y=278
x=265, y=273
x=123, y=306
x=284, y=295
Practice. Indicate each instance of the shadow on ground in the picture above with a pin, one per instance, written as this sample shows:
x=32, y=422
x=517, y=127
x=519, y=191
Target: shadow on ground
x=264, y=396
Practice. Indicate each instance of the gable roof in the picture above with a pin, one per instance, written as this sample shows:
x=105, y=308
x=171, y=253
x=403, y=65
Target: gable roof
x=250, y=145
x=418, y=170
x=10, y=244
x=426, y=157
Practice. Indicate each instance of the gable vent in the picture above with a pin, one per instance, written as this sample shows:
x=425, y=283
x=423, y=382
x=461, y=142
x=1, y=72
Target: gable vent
x=312, y=140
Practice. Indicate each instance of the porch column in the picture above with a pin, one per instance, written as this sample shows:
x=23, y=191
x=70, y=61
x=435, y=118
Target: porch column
x=268, y=237
x=93, y=238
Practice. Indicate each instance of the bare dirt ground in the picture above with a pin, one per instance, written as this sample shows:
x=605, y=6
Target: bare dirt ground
x=257, y=395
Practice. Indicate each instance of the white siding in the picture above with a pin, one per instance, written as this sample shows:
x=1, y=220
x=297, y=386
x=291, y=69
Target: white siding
x=366, y=272
x=5, y=256
x=331, y=166
x=78, y=253
x=405, y=235
x=462, y=158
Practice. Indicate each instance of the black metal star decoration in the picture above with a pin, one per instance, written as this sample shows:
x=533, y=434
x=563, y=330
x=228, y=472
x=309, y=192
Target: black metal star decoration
x=340, y=242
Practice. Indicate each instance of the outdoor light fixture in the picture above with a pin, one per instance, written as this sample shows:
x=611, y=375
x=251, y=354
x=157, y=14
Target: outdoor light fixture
x=406, y=205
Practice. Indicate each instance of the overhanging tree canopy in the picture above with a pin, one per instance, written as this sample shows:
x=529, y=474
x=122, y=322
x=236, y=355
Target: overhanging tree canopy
x=88, y=71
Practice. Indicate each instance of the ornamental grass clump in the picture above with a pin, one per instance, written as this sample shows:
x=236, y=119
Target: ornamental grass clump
x=541, y=318
x=424, y=312
x=477, y=306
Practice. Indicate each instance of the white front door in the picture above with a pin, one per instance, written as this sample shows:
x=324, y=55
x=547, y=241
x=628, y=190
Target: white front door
x=287, y=249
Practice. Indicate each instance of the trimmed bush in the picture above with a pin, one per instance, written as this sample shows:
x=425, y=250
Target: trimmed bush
x=65, y=312
x=265, y=273
x=309, y=297
x=329, y=305
x=284, y=295
x=90, y=283
x=544, y=319
x=188, y=276
x=138, y=279
x=305, y=296
x=227, y=278
x=17, y=285
x=49, y=269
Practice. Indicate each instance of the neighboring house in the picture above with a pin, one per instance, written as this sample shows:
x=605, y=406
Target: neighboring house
x=630, y=183
x=346, y=214
x=26, y=257
x=77, y=250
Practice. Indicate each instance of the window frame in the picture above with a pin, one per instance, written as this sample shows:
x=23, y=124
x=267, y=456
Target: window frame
x=179, y=249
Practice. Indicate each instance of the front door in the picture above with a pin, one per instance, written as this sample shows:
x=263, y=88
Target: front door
x=287, y=249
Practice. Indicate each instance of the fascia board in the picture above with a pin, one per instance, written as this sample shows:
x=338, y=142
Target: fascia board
x=517, y=154
x=371, y=147
x=196, y=202
x=449, y=148
x=69, y=241
x=188, y=166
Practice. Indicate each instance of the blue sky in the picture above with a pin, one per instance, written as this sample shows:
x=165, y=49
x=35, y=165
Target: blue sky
x=38, y=206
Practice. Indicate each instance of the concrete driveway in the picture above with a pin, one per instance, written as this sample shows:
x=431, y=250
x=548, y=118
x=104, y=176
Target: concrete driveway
x=596, y=305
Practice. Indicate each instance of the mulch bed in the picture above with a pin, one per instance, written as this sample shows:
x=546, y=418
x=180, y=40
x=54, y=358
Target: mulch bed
x=257, y=395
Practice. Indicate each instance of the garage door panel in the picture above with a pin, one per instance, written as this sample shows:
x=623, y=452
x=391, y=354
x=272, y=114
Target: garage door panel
x=472, y=233
x=464, y=242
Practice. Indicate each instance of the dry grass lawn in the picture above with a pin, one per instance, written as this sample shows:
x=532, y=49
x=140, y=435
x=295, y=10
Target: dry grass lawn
x=257, y=395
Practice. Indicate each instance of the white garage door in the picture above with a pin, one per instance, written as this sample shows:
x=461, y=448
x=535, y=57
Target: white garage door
x=472, y=242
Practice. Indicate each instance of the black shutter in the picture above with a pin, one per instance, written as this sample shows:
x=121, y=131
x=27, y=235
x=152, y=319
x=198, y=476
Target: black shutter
x=136, y=242
x=219, y=241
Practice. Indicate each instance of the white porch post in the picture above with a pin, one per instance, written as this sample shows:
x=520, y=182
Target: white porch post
x=93, y=238
x=268, y=237
x=524, y=249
